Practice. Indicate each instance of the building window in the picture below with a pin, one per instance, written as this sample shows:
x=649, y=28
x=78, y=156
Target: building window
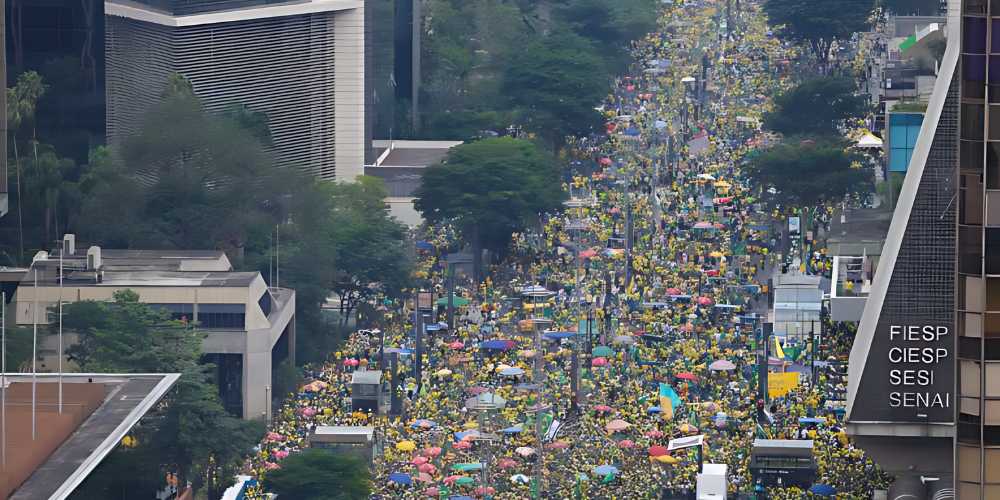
x=976, y=7
x=973, y=121
x=992, y=465
x=969, y=348
x=971, y=155
x=969, y=382
x=993, y=253
x=177, y=312
x=970, y=250
x=222, y=316
x=974, y=35
x=969, y=465
x=974, y=70
x=265, y=303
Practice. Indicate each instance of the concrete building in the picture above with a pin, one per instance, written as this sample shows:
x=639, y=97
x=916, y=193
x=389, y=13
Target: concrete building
x=400, y=164
x=928, y=295
x=250, y=327
x=302, y=63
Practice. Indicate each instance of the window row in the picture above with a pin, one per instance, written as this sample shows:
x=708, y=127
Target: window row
x=971, y=463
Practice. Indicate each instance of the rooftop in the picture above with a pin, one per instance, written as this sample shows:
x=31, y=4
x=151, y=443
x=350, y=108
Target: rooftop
x=859, y=231
x=98, y=411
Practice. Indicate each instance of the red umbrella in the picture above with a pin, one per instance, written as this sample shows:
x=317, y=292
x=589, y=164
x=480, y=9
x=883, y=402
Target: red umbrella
x=451, y=479
x=432, y=451
x=654, y=434
x=687, y=376
x=626, y=443
x=507, y=463
x=605, y=161
x=485, y=490
x=657, y=451
x=588, y=253
x=705, y=301
x=673, y=291
x=604, y=408
x=463, y=445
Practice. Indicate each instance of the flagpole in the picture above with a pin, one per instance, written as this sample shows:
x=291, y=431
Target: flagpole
x=34, y=359
x=3, y=379
x=61, y=252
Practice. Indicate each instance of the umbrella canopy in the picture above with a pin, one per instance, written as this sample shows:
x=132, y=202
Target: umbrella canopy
x=525, y=451
x=466, y=467
x=456, y=345
x=655, y=434
x=457, y=301
x=673, y=291
x=604, y=408
x=657, y=450
x=423, y=424
x=431, y=451
x=512, y=372
x=517, y=429
x=811, y=420
x=400, y=478
x=444, y=372
x=823, y=490
x=557, y=445
x=463, y=445
x=497, y=345
x=406, y=445
x=507, y=463
x=687, y=428
x=666, y=459
x=419, y=460
x=626, y=444
x=687, y=376
x=704, y=225
x=427, y=468
x=424, y=477
x=604, y=470
x=485, y=401
x=617, y=425
x=520, y=478
x=722, y=365
x=653, y=409
x=432, y=492
x=558, y=335
x=599, y=362
x=603, y=351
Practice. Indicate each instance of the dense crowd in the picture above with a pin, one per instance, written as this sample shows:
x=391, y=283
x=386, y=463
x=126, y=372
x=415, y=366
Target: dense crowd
x=673, y=345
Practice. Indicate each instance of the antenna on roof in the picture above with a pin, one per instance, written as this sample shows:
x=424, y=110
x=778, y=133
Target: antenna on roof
x=62, y=250
x=3, y=376
x=277, y=256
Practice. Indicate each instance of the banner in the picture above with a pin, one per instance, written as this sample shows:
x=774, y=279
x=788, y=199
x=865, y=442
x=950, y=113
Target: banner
x=779, y=384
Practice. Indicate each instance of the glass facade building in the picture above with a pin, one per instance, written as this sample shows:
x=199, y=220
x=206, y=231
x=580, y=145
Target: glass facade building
x=978, y=277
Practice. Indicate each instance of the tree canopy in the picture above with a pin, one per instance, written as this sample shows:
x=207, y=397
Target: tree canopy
x=558, y=81
x=805, y=173
x=818, y=106
x=318, y=474
x=819, y=23
x=490, y=189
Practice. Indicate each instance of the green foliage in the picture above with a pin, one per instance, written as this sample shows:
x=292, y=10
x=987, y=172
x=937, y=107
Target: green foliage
x=175, y=183
x=490, y=189
x=610, y=25
x=808, y=172
x=913, y=7
x=558, y=81
x=191, y=429
x=819, y=23
x=19, y=347
x=818, y=106
x=317, y=474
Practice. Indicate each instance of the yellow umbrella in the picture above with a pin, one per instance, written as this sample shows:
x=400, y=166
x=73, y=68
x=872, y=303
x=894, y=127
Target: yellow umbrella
x=406, y=445
x=444, y=372
x=716, y=254
x=665, y=459
x=470, y=425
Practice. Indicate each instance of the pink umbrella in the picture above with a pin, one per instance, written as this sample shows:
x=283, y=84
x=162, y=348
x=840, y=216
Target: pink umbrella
x=271, y=466
x=617, y=425
x=704, y=301
x=424, y=477
x=432, y=451
x=599, y=362
x=428, y=468
x=654, y=434
x=605, y=161
x=274, y=436
x=476, y=390
x=432, y=492
x=485, y=490
x=604, y=408
x=673, y=291
x=557, y=445
x=657, y=451
x=588, y=253
x=626, y=443
x=280, y=454
x=507, y=463
x=456, y=345
x=451, y=479
x=347, y=362
x=419, y=460
x=463, y=445
x=687, y=376
x=307, y=411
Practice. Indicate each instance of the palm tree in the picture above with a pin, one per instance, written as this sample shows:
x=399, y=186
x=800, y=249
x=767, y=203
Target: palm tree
x=22, y=102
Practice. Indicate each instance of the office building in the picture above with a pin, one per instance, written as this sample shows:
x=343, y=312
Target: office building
x=921, y=373
x=249, y=326
x=302, y=63
x=400, y=164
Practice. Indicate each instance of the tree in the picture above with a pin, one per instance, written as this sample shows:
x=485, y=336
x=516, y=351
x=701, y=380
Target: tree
x=192, y=431
x=22, y=101
x=185, y=171
x=490, y=189
x=807, y=173
x=819, y=23
x=818, y=106
x=318, y=474
x=557, y=82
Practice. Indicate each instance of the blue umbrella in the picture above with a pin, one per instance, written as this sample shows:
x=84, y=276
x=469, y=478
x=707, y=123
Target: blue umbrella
x=425, y=245
x=604, y=470
x=632, y=132
x=823, y=490
x=517, y=429
x=400, y=478
x=423, y=423
x=460, y=497
x=811, y=420
x=501, y=345
x=511, y=372
x=558, y=335
x=654, y=409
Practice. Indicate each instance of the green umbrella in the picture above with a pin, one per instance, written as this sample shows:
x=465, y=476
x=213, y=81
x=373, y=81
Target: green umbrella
x=457, y=301
x=462, y=481
x=603, y=351
x=467, y=467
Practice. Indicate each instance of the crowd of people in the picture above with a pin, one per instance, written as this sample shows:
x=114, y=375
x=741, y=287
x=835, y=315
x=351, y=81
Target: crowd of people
x=652, y=282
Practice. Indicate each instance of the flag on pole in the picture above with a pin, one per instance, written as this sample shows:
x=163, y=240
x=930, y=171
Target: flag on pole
x=668, y=401
x=778, y=351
